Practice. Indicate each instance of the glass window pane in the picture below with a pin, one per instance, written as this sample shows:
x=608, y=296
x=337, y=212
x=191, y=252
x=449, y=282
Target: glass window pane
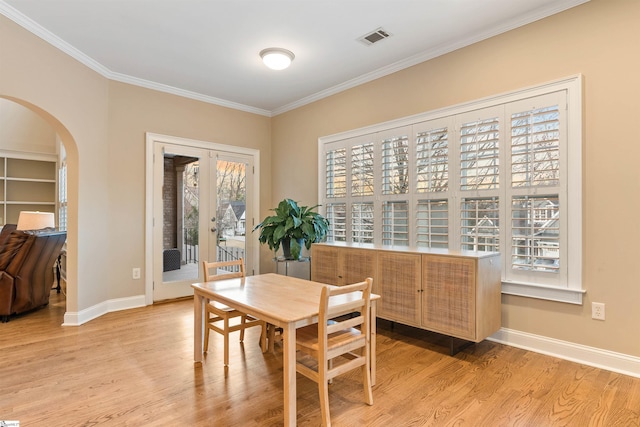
x=536, y=233
x=395, y=165
x=395, y=223
x=535, y=147
x=337, y=217
x=479, y=155
x=432, y=224
x=432, y=161
x=362, y=170
x=362, y=222
x=480, y=225
x=336, y=168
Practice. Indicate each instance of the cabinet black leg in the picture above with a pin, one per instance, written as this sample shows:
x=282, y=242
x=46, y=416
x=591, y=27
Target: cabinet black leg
x=461, y=345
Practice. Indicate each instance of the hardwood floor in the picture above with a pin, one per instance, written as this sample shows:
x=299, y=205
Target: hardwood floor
x=135, y=368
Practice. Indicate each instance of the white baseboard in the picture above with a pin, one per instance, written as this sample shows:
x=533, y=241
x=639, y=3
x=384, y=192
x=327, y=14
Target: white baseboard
x=81, y=317
x=591, y=356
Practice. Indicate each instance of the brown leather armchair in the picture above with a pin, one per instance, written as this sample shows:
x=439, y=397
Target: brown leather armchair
x=26, y=269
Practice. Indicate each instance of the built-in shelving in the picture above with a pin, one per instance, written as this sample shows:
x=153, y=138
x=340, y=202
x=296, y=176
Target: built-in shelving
x=26, y=184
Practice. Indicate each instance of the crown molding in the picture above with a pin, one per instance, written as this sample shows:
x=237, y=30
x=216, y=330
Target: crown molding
x=46, y=35
x=35, y=28
x=557, y=7
x=123, y=78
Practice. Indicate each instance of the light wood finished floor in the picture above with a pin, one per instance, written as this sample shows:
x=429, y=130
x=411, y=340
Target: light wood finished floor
x=135, y=368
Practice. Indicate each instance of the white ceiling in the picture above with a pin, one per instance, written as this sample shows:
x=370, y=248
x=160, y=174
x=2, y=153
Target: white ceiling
x=209, y=49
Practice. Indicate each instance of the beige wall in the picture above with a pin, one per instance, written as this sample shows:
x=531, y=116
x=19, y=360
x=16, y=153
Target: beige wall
x=23, y=130
x=134, y=111
x=102, y=125
x=599, y=40
x=73, y=100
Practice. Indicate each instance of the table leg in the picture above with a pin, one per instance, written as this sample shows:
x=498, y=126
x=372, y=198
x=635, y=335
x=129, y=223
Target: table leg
x=198, y=311
x=289, y=369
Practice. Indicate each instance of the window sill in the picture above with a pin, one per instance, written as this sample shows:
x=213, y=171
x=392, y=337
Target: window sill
x=551, y=293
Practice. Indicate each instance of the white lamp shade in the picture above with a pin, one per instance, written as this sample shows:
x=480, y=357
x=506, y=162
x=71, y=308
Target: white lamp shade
x=276, y=58
x=29, y=220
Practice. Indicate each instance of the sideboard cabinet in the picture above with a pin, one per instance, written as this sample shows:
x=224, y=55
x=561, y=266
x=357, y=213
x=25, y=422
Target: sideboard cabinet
x=455, y=293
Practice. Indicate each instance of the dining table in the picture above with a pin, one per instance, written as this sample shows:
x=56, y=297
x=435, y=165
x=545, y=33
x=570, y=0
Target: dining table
x=286, y=302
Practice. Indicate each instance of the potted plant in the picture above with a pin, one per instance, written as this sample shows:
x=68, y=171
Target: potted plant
x=292, y=226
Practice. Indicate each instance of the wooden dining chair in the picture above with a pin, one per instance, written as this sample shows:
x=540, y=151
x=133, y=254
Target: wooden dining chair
x=219, y=315
x=335, y=345
x=274, y=335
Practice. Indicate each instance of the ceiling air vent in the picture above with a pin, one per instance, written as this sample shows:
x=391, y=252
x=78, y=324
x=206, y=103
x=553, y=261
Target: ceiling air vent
x=373, y=37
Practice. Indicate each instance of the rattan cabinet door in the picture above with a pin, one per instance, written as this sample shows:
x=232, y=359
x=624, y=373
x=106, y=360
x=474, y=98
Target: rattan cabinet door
x=449, y=295
x=398, y=283
x=324, y=264
x=355, y=265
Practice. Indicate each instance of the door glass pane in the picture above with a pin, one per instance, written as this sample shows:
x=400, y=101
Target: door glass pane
x=230, y=219
x=181, y=207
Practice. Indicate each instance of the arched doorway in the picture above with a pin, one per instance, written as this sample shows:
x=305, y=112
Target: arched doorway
x=16, y=108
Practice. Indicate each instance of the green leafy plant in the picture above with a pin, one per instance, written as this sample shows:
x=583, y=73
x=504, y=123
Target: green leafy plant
x=292, y=226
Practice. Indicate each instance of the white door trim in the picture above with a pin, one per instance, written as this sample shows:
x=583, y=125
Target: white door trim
x=151, y=140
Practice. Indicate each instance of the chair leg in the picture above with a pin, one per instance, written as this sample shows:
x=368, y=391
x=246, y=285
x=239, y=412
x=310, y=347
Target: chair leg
x=206, y=334
x=243, y=321
x=226, y=341
x=366, y=376
x=271, y=331
x=263, y=337
x=366, y=379
x=323, y=390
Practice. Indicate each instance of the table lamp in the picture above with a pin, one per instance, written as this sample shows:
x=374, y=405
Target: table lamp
x=30, y=220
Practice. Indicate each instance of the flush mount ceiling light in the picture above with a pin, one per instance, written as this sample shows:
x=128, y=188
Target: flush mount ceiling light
x=276, y=58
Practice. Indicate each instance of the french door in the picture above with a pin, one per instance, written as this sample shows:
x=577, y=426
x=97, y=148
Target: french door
x=202, y=198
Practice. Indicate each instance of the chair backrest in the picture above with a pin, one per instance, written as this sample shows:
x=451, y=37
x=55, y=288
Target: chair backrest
x=230, y=269
x=336, y=314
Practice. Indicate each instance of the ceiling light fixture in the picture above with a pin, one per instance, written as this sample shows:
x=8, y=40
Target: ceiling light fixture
x=276, y=58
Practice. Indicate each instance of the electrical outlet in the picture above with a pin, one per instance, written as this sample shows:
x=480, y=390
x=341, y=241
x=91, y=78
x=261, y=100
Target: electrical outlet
x=597, y=310
x=136, y=273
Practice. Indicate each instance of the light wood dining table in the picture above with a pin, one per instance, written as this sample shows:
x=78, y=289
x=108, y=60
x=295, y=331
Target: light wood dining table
x=287, y=302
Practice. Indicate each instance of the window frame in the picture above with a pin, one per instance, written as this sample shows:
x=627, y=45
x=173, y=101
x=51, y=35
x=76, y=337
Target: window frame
x=568, y=289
